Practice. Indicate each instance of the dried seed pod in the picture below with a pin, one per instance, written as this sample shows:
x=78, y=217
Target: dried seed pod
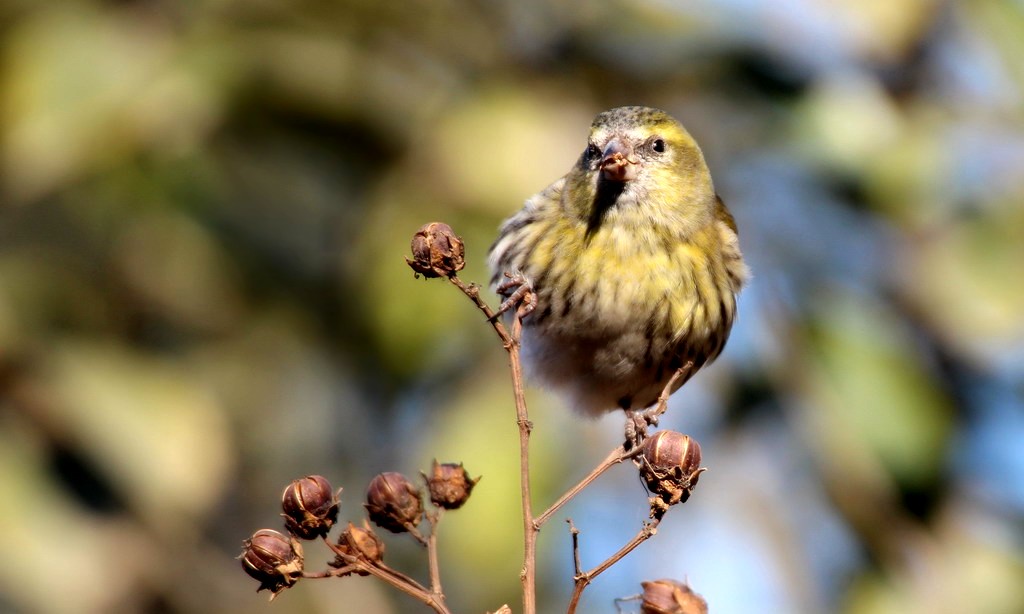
x=310, y=507
x=361, y=543
x=436, y=251
x=670, y=466
x=670, y=597
x=449, y=485
x=274, y=559
x=393, y=502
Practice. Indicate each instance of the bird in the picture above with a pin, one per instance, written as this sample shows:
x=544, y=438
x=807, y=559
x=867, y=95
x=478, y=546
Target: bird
x=633, y=263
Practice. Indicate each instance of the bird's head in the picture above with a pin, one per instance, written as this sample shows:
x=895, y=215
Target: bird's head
x=639, y=161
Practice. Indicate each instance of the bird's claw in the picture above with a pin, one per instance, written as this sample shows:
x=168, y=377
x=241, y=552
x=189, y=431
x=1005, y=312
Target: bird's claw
x=519, y=294
x=637, y=424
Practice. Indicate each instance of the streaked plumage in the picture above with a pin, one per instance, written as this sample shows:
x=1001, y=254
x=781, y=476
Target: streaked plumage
x=635, y=262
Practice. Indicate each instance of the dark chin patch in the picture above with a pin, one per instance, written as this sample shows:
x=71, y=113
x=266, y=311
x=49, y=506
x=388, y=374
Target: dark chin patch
x=608, y=193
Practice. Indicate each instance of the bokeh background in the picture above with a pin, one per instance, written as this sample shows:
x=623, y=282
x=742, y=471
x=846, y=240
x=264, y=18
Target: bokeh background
x=203, y=212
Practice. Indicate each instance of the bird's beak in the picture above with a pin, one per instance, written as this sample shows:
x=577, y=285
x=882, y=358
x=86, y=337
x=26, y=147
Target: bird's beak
x=618, y=163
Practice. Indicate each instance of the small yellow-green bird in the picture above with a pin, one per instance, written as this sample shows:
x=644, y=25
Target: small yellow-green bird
x=634, y=263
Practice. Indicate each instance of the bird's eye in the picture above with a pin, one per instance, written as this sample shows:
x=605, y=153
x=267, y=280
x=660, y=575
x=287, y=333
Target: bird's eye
x=658, y=145
x=592, y=151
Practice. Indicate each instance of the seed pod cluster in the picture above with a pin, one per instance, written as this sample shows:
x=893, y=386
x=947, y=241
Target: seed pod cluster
x=310, y=510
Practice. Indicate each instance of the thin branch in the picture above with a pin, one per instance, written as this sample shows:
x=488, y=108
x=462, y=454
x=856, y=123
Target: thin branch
x=432, y=561
x=583, y=580
x=576, y=563
x=364, y=565
x=614, y=457
x=473, y=292
x=393, y=577
x=662, y=405
x=617, y=455
x=331, y=573
x=415, y=533
x=649, y=530
x=529, y=572
x=511, y=342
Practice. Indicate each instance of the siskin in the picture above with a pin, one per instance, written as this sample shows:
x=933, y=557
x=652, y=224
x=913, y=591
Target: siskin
x=634, y=263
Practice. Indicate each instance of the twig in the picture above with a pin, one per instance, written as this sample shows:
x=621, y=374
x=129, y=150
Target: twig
x=582, y=580
x=330, y=573
x=393, y=577
x=432, y=562
x=511, y=342
x=473, y=292
x=662, y=405
x=576, y=563
x=617, y=455
x=530, y=529
x=614, y=457
x=415, y=533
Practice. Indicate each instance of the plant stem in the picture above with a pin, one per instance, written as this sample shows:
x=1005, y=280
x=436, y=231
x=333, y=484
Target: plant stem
x=662, y=404
x=577, y=565
x=582, y=580
x=473, y=292
x=530, y=528
x=614, y=457
x=331, y=573
x=393, y=577
x=432, y=562
x=511, y=342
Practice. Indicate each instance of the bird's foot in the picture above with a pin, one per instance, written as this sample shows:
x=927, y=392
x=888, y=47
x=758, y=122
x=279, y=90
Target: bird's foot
x=519, y=294
x=637, y=423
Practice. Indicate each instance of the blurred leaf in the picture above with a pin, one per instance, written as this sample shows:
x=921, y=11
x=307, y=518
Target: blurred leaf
x=985, y=578
x=873, y=594
x=849, y=119
x=495, y=150
x=865, y=372
x=99, y=563
x=907, y=177
x=885, y=30
x=954, y=572
x=960, y=279
x=43, y=289
x=84, y=88
x=156, y=432
x=178, y=270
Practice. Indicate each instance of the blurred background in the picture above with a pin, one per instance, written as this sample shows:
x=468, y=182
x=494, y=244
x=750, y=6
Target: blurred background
x=203, y=212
